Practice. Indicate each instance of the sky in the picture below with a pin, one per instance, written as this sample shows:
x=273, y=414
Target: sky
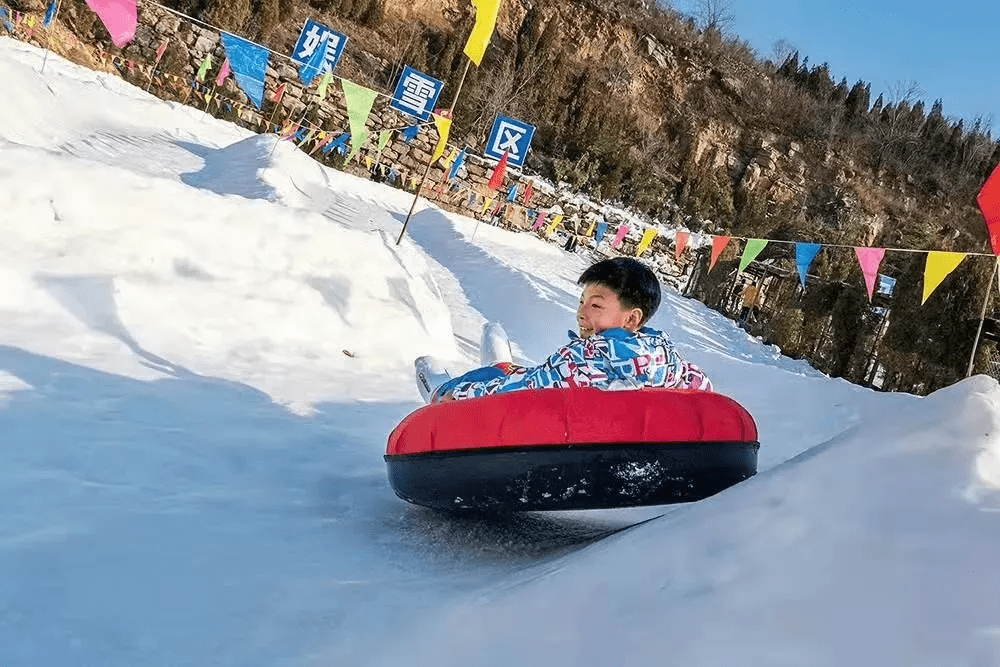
x=949, y=49
x=206, y=338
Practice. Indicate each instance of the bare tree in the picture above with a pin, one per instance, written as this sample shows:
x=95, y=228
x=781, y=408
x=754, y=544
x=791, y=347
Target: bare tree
x=782, y=50
x=715, y=15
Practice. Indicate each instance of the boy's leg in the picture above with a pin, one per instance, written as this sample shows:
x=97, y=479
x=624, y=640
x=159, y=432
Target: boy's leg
x=494, y=346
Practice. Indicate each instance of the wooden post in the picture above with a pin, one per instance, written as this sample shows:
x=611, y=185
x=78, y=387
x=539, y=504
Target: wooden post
x=416, y=195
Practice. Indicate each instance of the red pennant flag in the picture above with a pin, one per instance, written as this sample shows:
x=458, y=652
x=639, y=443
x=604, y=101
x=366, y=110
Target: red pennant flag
x=719, y=244
x=680, y=243
x=870, y=259
x=160, y=50
x=278, y=92
x=496, y=180
x=989, y=204
x=528, y=193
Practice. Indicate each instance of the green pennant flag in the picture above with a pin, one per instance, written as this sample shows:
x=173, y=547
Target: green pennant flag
x=323, y=83
x=754, y=246
x=203, y=68
x=359, y=106
x=383, y=141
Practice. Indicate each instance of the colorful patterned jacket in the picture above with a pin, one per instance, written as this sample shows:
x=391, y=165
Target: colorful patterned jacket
x=615, y=359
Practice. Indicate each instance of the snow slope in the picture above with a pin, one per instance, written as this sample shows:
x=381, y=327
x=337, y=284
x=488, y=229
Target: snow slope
x=205, y=338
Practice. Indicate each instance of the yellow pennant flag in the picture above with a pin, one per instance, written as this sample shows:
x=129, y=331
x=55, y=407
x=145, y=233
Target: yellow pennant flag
x=555, y=223
x=939, y=265
x=486, y=20
x=443, y=127
x=486, y=204
x=593, y=224
x=647, y=238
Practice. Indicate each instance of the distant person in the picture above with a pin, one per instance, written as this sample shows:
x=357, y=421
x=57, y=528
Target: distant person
x=749, y=301
x=613, y=349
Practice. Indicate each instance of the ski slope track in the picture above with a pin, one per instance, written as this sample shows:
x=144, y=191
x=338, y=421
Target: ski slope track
x=206, y=337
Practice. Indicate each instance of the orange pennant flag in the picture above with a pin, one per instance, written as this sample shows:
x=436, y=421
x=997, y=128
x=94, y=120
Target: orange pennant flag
x=680, y=243
x=719, y=244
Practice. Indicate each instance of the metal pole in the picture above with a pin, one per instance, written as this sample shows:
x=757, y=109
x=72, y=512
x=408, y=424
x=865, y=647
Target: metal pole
x=982, y=318
x=416, y=195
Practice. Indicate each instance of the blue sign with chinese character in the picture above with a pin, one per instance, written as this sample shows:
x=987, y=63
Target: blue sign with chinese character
x=311, y=39
x=416, y=93
x=512, y=137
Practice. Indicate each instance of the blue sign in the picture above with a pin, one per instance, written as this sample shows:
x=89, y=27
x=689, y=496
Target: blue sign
x=886, y=285
x=512, y=137
x=311, y=38
x=416, y=93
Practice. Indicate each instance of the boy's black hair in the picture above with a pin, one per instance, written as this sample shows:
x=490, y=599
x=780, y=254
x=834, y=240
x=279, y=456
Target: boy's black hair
x=634, y=283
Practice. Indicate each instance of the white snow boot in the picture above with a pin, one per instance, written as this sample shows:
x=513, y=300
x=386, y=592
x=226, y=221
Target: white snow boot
x=431, y=374
x=494, y=347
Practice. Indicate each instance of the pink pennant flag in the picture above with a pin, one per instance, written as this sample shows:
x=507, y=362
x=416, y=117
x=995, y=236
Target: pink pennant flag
x=540, y=222
x=620, y=235
x=870, y=259
x=680, y=243
x=160, y=50
x=119, y=17
x=223, y=73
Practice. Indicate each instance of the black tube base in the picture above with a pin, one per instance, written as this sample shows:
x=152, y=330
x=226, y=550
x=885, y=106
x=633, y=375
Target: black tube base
x=571, y=477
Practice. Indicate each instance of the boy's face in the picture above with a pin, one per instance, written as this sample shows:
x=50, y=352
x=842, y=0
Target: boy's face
x=600, y=309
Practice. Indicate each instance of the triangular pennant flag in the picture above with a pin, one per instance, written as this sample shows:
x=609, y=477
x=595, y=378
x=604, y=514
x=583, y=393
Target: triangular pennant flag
x=249, y=63
x=680, y=243
x=555, y=223
x=750, y=252
x=443, y=124
x=805, y=253
x=719, y=244
x=602, y=229
x=203, y=68
x=312, y=67
x=359, y=102
x=647, y=238
x=486, y=204
x=457, y=164
x=539, y=221
x=486, y=19
x=278, y=92
x=5, y=19
x=50, y=13
x=939, y=265
x=620, y=235
x=528, y=193
x=512, y=192
x=119, y=17
x=223, y=74
x=989, y=205
x=161, y=49
x=323, y=83
x=383, y=140
x=496, y=180
x=410, y=133
x=593, y=225
x=446, y=162
x=870, y=259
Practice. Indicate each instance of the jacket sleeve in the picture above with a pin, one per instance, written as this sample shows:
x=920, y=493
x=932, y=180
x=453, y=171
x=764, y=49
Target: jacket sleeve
x=559, y=370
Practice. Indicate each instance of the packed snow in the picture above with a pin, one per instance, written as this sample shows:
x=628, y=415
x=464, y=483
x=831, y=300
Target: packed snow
x=206, y=337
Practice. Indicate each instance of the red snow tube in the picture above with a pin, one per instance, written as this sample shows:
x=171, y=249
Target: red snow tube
x=555, y=449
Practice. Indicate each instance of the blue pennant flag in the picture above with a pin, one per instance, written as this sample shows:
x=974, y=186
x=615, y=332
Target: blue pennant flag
x=340, y=143
x=50, y=13
x=410, y=133
x=248, y=62
x=301, y=134
x=512, y=195
x=315, y=64
x=5, y=19
x=459, y=161
x=602, y=229
x=805, y=253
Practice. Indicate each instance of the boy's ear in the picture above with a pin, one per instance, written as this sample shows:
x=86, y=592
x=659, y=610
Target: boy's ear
x=634, y=319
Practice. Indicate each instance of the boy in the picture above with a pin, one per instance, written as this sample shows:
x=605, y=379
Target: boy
x=612, y=351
